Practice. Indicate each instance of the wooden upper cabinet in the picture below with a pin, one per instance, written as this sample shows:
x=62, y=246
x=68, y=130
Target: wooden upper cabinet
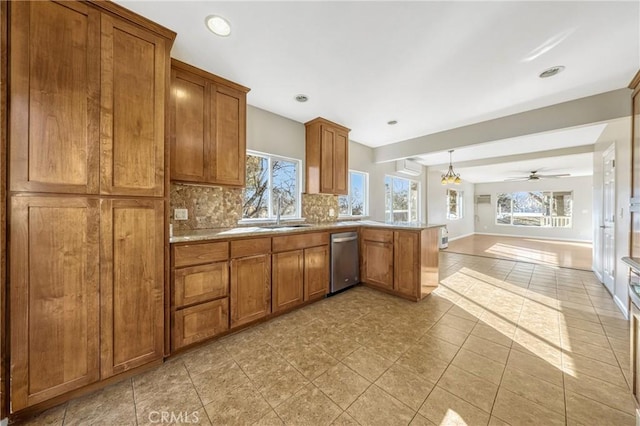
x=327, y=157
x=55, y=106
x=208, y=127
x=133, y=72
x=87, y=101
x=132, y=283
x=54, y=303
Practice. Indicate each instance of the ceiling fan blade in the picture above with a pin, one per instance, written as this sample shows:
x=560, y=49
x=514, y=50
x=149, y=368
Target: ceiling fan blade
x=516, y=179
x=554, y=176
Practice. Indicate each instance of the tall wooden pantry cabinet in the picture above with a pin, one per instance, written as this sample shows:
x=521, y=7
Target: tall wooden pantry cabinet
x=87, y=195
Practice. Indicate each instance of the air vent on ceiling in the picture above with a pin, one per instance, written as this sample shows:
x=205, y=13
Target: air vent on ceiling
x=483, y=199
x=409, y=167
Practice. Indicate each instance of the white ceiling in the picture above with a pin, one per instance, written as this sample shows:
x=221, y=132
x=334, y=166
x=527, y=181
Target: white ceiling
x=430, y=65
x=587, y=135
x=575, y=165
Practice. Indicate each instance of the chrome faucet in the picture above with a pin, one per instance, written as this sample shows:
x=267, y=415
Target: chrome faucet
x=279, y=208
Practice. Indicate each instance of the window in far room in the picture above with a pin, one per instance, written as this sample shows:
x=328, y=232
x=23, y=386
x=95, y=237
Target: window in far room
x=356, y=203
x=535, y=208
x=455, y=204
x=270, y=177
x=402, y=199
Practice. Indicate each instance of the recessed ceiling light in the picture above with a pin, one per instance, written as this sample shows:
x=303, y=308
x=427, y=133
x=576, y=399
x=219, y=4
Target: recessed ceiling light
x=302, y=98
x=392, y=122
x=550, y=72
x=218, y=25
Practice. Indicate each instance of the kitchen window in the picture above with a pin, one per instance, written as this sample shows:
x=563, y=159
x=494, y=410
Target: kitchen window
x=356, y=203
x=402, y=199
x=455, y=204
x=270, y=177
x=535, y=208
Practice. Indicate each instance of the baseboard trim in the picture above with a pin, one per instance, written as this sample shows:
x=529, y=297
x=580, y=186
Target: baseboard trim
x=534, y=237
x=622, y=307
x=461, y=236
x=598, y=275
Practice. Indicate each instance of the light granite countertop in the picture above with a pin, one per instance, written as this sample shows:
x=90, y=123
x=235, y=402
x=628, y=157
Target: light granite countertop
x=190, y=235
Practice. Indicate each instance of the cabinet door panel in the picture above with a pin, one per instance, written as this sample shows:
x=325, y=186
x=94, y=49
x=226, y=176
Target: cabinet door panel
x=378, y=263
x=201, y=283
x=132, y=110
x=55, y=87
x=406, y=263
x=316, y=272
x=250, y=288
x=190, y=129
x=228, y=150
x=341, y=164
x=54, y=297
x=200, y=322
x=132, y=283
x=327, y=149
x=288, y=280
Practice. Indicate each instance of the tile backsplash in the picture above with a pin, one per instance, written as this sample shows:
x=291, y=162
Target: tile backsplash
x=221, y=207
x=208, y=206
x=316, y=208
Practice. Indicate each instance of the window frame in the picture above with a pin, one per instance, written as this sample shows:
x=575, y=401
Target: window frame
x=271, y=215
x=365, y=207
x=459, y=204
x=418, y=201
x=551, y=216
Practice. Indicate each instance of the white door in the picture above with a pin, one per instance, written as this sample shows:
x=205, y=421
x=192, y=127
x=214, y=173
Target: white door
x=608, y=217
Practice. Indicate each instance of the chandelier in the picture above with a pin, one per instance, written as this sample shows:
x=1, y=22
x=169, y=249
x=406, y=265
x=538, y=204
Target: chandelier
x=450, y=176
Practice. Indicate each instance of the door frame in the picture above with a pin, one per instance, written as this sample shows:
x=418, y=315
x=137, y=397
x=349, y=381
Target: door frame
x=608, y=279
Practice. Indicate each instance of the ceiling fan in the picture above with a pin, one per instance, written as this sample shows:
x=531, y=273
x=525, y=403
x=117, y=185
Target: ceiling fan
x=535, y=176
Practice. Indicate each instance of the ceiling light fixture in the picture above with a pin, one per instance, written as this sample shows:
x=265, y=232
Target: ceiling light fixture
x=218, y=25
x=302, y=98
x=550, y=72
x=392, y=122
x=450, y=176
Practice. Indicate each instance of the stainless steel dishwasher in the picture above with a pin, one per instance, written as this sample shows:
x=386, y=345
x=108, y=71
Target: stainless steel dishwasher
x=345, y=267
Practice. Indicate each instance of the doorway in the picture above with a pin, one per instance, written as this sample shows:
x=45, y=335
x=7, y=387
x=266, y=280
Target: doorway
x=607, y=225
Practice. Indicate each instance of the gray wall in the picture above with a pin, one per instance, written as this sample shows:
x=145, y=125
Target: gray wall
x=437, y=207
x=273, y=134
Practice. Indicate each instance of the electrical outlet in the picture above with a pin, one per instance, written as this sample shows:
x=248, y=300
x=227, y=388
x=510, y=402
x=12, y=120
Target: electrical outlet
x=181, y=214
x=332, y=212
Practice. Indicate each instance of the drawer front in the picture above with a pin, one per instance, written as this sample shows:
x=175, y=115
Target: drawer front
x=380, y=235
x=200, y=322
x=252, y=247
x=201, y=283
x=300, y=241
x=197, y=254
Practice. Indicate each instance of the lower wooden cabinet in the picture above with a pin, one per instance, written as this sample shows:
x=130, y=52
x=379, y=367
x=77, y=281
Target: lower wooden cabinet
x=250, y=288
x=287, y=279
x=406, y=263
x=377, y=263
x=131, y=283
x=634, y=318
x=54, y=297
x=316, y=272
x=401, y=262
x=200, y=322
x=201, y=283
x=86, y=291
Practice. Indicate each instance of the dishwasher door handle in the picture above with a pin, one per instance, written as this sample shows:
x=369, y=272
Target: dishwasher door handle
x=344, y=239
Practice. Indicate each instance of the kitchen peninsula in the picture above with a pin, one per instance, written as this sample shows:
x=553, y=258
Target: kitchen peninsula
x=226, y=278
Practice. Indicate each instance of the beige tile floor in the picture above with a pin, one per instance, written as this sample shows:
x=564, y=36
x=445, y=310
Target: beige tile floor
x=499, y=343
